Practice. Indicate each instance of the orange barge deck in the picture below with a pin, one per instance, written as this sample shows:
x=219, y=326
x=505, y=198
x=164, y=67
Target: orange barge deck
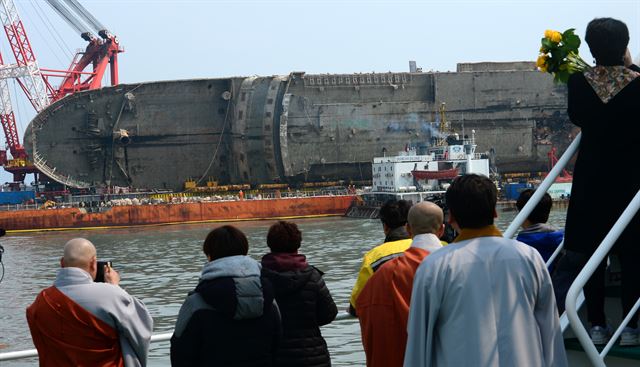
x=157, y=214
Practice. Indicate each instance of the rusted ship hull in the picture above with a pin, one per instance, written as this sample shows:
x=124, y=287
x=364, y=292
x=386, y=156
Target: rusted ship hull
x=300, y=127
x=140, y=215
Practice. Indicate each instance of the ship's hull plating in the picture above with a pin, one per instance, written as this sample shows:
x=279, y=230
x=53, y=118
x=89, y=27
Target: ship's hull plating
x=288, y=128
x=136, y=215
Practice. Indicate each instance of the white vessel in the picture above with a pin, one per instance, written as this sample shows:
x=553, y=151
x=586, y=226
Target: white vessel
x=421, y=172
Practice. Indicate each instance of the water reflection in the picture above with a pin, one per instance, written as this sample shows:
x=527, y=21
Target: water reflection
x=161, y=264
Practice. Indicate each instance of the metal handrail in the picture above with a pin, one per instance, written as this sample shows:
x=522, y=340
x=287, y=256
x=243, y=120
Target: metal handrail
x=531, y=204
x=163, y=337
x=597, y=359
x=542, y=189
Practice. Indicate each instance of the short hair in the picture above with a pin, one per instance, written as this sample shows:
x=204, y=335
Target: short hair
x=225, y=241
x=607, y=39
x=78, y=253
x=425, y=217
x=540, y=213
x=472, y=200
x=394, y=213
x=284, y=237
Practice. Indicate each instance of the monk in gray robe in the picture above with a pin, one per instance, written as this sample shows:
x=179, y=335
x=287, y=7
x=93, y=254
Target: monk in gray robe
x=483, y=300
x=78, y=322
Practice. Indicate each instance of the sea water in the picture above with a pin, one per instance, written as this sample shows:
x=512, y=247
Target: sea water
x=161, y=264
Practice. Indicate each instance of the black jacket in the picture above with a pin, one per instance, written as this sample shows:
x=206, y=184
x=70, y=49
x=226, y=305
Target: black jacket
x=230, y=319
x=606, y=158
x=305, y=305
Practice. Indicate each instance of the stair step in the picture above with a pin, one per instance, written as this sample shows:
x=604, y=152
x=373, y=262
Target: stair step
x=616, y=350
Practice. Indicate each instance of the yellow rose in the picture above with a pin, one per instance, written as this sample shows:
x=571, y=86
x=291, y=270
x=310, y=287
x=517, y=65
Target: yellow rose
x=556, y=37
x=542, y=61
x=543, y=69
x=553, y=36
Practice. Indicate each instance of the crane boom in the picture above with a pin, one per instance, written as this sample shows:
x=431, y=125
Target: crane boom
x=31, y=80
x=80, y=27
x=86, y=16
x=34, y=81
x=100, y=53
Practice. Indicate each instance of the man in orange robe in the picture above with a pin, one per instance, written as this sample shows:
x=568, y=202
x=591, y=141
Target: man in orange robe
x=383, y=304
x=78, y=322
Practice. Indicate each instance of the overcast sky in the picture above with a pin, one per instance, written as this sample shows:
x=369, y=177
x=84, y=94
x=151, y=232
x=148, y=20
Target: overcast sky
x=171, y=39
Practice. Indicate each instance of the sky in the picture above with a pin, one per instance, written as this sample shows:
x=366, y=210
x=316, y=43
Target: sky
x=172, y=39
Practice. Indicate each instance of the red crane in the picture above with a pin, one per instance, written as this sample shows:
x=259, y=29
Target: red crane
x=565, y=176
x=34, y=81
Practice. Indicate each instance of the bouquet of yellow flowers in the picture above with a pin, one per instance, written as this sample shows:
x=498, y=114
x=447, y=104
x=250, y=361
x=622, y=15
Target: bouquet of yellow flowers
x=559, y=55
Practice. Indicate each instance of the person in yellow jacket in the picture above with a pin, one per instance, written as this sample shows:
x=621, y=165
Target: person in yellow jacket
x=393, y=215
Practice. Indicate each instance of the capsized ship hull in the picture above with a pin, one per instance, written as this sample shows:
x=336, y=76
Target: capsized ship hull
x=184, y=213
x=299, y=127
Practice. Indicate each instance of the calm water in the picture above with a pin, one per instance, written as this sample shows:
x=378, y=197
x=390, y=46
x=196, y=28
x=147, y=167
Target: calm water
x=161, y=264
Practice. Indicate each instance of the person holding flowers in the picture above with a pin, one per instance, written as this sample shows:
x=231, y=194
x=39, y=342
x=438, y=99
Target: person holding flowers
x=603, y=102
x=559, y=55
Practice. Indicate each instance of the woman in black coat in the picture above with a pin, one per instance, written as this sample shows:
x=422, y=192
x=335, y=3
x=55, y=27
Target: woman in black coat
x=605, y=103
x=304, y=300
x=230, y=319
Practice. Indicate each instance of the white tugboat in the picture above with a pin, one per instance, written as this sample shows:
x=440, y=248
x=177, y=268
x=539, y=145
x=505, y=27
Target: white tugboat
x=420, y=173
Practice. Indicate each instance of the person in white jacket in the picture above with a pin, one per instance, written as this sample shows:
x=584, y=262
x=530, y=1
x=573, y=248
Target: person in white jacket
x=483, y=300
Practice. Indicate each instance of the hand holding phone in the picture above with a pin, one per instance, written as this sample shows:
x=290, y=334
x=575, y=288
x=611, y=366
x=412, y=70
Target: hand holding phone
x=111, y=276
x=106, y=274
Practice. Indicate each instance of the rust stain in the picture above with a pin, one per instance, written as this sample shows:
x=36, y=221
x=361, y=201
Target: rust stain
x=120, y=216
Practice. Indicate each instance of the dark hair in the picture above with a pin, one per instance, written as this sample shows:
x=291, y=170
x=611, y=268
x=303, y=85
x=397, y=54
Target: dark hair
x=540, y=213
x=284, y=237
x=607, y=39
x=394, y=213
x=472, y=200
x=225, y=241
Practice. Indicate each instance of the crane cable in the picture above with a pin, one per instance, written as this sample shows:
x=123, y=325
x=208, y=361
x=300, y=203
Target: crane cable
x=71, y=20
x=52, y=29
x=17, y=110
x=85, y=15
x=215, y=152
x=35, y=26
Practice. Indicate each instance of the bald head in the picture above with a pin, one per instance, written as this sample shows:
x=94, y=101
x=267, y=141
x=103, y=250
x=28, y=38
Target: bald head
x=78, y=253
x=425, y=217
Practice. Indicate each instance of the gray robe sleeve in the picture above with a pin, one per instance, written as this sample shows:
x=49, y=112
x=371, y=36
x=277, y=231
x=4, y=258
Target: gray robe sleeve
x=423, y=313
x=135, y=327
x=546, y=315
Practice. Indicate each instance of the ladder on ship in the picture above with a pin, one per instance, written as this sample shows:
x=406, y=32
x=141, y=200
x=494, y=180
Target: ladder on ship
x=618, y=356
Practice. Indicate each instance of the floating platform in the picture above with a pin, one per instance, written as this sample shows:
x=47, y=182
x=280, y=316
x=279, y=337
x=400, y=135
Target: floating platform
x=180, y=213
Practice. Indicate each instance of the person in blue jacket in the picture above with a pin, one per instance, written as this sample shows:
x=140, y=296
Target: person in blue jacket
x=535, y=231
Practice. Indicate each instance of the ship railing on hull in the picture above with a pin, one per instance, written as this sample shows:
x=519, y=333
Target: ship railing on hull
x=42, y=165
x=11, y=207
x=101, y=201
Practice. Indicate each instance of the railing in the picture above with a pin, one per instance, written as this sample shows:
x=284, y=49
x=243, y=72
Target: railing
x=531, y=204
x=543, y=188
x=597, y=359
x=575, y=295
x=154, y=338
x=94, y=201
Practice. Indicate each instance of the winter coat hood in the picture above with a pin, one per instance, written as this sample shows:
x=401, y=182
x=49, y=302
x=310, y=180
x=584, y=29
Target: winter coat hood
x=232, y=286
x=288, y=273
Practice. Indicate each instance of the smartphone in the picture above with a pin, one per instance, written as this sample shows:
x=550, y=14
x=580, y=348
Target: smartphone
x=100, y=272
